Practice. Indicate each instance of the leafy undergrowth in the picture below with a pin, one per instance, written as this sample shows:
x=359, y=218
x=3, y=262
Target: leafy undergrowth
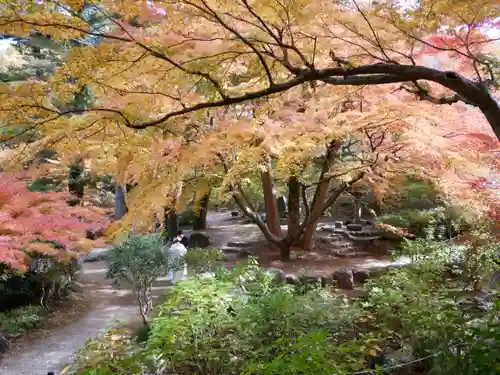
x=204, y=260
x=244, y=321
x=16, y=322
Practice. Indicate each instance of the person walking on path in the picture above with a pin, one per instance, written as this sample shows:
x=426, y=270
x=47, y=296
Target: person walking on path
x=182, y=239
x=175, y=255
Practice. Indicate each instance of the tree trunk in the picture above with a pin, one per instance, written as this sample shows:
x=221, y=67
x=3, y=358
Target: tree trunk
x=270, y=201
x=171, y=224
x=120, y=202
x=294, y=190
x=76, y=180
x=320, y=197
x=170, y=215
x=200, y=222
x=285, y=248
x=316, y=212
x=249, y=211
x=491, y=110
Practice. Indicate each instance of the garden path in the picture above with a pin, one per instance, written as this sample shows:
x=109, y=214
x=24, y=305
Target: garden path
x=53, y=347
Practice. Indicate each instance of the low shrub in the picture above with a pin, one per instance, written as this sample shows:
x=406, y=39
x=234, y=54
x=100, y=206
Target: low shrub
x=138, y=262
x=16, y=322
x=45, y=184
x=426, y=324
x=203, y=260
x=45, y=282
x=116, y=353
x=242, y=322
x=239, y=322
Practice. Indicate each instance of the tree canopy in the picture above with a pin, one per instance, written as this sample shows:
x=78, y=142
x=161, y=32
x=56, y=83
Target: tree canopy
x=238, y=51
x=186, y=88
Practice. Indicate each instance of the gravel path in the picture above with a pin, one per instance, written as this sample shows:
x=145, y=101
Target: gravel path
x=38, y=355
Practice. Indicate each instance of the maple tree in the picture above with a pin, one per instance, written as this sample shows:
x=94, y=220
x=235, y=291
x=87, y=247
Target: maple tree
x=319, y=144
x=171, y=78
x=42, y=224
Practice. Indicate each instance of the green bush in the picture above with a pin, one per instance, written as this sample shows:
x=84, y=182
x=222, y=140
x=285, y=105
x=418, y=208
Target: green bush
x=423, y=306
x=114, y=354
x=240, y=322
x=44, y=184
x=138, y=262
x=474, y=261
x=204, y=260
x=243, y=322
x=420, y=194
x=16, y=322
x=414, y=193
x=421, y=319
x=45, y=282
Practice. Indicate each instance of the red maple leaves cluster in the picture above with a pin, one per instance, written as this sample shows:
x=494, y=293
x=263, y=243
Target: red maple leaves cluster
x=42, y=224
x=494, y=205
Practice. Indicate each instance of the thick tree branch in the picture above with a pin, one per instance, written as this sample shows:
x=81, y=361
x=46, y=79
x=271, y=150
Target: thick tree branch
x=466, y=90
x=374, y=74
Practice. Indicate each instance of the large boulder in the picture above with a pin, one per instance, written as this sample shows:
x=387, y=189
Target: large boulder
x=198, y=240
x=344, y=278
x=94, y=234
x=292, y=279
x=360, y=276
x=278, y=275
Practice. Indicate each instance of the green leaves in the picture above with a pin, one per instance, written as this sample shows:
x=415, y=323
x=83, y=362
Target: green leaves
x=431, y=321
x=138, y=262
x=16, y=322
x=204, y=260
x=243, y=322
x=139, y=259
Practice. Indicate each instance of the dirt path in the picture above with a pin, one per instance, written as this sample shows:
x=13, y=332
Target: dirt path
x=51, y=349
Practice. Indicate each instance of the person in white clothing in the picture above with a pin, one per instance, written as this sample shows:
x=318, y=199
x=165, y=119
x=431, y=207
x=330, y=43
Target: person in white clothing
x=175, y=253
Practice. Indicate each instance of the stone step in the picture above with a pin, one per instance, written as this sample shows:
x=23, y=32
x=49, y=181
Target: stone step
x=329, y=229
x=354, y=227
x=335, y=237
x=334, y=241
x=341, y=245
x=239, y=244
